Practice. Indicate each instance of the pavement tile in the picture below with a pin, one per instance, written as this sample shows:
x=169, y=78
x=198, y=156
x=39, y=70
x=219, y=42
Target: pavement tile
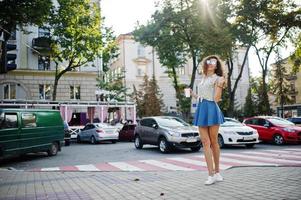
x=240, y=183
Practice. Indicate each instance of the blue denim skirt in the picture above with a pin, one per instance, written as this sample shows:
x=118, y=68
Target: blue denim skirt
x=207, y=114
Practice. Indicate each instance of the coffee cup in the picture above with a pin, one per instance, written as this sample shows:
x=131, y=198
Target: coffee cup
x=187, y=92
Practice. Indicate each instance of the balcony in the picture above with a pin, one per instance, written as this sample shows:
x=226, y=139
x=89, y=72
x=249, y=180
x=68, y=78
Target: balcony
x=41, y=45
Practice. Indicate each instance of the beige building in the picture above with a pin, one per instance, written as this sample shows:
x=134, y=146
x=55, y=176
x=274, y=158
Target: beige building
x=34, y=77
x=136, y=60
x=294, y=109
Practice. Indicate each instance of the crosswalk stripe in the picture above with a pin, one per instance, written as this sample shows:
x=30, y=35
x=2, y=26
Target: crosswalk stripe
x=241, y=162
x=197, y=162
x=222, y=166
x=299, y=150
x=262, y=159
x=285, y=152
x=270, y=154
x=50, y=169
x=166, y=165
x=125, y=166
x=86, y=168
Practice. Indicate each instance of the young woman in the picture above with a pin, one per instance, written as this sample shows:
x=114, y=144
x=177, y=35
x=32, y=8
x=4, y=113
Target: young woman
x=208, y=115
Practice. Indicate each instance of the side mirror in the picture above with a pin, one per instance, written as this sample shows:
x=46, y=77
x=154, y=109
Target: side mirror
x=155, y=126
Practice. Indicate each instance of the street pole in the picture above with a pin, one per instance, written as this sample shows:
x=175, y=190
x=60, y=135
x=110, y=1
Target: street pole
x=124, y=73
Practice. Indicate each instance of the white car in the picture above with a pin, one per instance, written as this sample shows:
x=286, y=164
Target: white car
x=96, y=132
x=232, y=132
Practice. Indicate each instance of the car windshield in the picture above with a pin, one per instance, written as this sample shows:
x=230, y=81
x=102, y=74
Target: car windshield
x=170, y=122
x=231, y=123
x=281, y=122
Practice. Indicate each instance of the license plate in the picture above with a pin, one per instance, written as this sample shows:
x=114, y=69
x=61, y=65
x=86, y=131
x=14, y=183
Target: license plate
x=248, y=138
x=191, y=140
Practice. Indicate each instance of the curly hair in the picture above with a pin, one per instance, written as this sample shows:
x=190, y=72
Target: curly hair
x=219, y=66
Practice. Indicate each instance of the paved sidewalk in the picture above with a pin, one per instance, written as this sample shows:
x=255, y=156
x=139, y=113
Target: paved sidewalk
x=240, y=183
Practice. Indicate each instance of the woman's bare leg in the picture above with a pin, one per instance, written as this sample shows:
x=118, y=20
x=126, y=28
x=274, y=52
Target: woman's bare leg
x=213, y=135
x=204, y=134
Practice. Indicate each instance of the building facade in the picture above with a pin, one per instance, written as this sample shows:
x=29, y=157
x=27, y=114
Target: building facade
x=135, y=60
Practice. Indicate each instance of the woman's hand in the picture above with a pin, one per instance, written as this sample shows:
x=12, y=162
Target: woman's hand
x=193, y=94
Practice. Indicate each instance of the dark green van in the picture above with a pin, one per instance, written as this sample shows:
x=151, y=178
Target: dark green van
x=26, y=130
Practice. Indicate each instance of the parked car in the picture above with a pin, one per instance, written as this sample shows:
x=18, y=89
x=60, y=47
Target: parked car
x=275, y=129
x=166, y=133
x=232, y=132
x=96, y=132
x=127, y=132
x=28, y=131
x=67, y=132
x=295, y=120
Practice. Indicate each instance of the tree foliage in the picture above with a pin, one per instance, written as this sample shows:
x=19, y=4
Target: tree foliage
x=148, y=98
x=267, y=24
x=76, y=36
x=113, y=88
x=280, y=85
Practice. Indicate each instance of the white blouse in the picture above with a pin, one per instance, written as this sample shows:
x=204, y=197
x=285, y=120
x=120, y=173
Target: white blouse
x=206, y=87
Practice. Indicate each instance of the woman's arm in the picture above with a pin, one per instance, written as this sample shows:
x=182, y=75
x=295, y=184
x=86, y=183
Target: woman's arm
x=193, y=94
x=219, y=89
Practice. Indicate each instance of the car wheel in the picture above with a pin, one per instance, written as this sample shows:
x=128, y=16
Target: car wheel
x=250, y=145
x=278, y=139
x=67, y=142
x=221, y=141
x=163, y=145
x=52, y=151
x=195, y=149
x=78, y=139
x=138, y=142
x=113, y=141
x=92, y=140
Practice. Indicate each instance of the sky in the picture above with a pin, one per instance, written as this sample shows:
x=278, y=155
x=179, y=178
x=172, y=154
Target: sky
x=123, y=15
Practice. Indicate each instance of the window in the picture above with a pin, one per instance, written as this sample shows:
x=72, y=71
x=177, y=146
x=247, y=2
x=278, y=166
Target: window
x=141, y=51
x=148, y=122
x=181, y=71
x=8, y=120
x=44, y=63
x=43, y=32
x=9, y=91
x=141, y=70
x=29, y=120
x=74, y=92
x=45, y=91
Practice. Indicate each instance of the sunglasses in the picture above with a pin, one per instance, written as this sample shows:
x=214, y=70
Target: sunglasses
x=211, y=62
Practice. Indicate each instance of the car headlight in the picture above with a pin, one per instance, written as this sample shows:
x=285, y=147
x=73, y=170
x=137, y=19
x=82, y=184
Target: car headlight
x=173, y=133
x=289, y=130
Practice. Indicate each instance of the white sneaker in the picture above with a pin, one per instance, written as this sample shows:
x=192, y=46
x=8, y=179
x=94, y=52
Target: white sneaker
x=210, y=180
x=218, y=177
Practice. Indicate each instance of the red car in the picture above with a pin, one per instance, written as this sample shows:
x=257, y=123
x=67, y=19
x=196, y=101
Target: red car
x=127, y=132
x=275, y=129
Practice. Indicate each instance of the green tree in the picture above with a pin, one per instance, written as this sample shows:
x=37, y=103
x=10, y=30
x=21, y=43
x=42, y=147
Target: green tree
x=148, y=98
x=154, y=101
x=180, y=30
x=76, y=36
x=17, y=14
x=267, y=24
x=250, y=105
x=114, y=87
x=280, y=85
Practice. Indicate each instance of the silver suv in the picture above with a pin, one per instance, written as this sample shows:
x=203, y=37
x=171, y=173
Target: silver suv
x=166, y=133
